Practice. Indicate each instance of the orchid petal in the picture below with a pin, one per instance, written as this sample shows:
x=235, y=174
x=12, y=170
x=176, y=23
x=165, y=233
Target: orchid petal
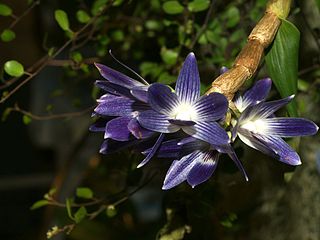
x=162, y=99
x=117, y=129
x=203, y=168
x=117, y=77
x=111, y=105
x=113, y=88
x=152, y=152
x=140, y=93
x=211, y=107
x=179, y=170
x=284, y=152
x=264, y=109
x=157, y=122
x=188, y=82
x=253, y=96
x=168, y=149
x=138, y=131
x=211, y=133
x=288, y=127
x=238, y=163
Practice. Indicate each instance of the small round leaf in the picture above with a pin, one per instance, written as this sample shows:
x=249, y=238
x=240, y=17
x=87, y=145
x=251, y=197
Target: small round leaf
x=198, y=5
x=5, y=10
x=7, y=35
x=172, y=7
x=14, y=68
x=82, y=16
x=62, y=19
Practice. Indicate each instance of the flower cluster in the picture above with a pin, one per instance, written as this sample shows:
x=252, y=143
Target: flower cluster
x=132, y=112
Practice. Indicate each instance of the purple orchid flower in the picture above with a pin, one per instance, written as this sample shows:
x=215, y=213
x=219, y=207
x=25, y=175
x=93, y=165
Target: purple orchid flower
x=197, y=161
x=260, y=129
x=185, y=109
x=118, y=108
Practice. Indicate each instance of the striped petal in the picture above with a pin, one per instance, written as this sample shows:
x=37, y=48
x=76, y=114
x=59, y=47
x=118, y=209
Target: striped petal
x=140, y=93
x=152, y=152
x=264, y=109
x=168, y=149
x=288, y=127
x=117, y=129
x=157, y=122
x=177, y=148
x=113, y=88
x=211, y=107
x=138, y=131
x=284, y=152
x=272, y=146
x=162, y=99
x=203, y=168
x=117, y=77
x=111, y=105
x=238, y=163
x=253, y=96
x=179, y=170
x=188, y=82
x=211, y=133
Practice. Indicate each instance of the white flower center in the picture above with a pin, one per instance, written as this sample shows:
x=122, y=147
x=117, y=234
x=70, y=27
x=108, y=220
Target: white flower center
x=255, y=126
x=184, y=112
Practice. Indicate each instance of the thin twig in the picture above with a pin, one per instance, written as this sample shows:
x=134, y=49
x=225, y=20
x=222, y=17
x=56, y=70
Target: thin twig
x=16, y=108
x=204, y=25
x=45, y=63
x=25, y=13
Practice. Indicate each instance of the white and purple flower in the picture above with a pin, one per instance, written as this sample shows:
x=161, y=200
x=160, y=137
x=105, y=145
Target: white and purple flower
x=185, y=109
x=195, y=162
x=260, y=129
x=118, y=108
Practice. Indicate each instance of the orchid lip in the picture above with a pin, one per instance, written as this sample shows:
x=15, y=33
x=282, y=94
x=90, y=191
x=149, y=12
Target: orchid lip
x=184, y=111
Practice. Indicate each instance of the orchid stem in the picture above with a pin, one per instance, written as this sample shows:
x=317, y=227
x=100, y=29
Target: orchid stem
x=250, y=56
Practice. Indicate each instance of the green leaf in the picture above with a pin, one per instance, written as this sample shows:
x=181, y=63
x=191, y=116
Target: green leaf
x=282, y=62
x=111, y=211
x=169, y=56
x=39, y=204
x=166, y=78
x=14, y=68
x=26, y=119
x=233, y=17
x=82, y=16
x=8, y=35
x=62, y=19
x=80, y=214
x=118, y=35
x=151, y=68
x=318, y=4
x=153, y=25
x=5, y=10
x=97, y=6
x=77, y=57
x=84, y=192
x=5, y=113
x=172, y=7
x=198, y=5
x=117, y=3
x=68, y=206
